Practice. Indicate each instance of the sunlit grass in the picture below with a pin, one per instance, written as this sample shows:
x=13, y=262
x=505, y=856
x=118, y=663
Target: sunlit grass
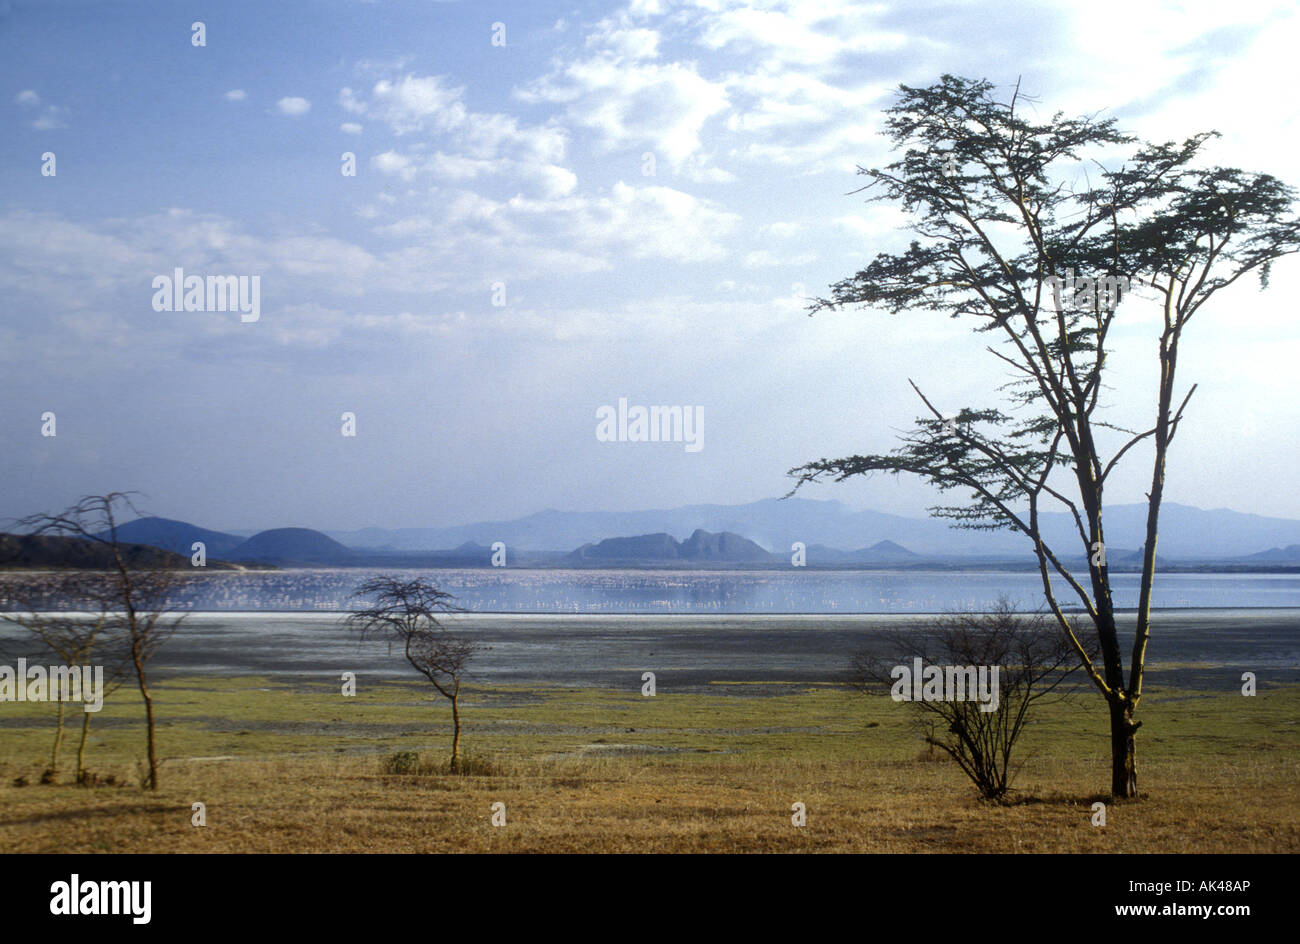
x=292, y=765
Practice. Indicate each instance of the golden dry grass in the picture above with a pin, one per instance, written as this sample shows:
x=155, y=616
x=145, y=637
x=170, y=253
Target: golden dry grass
x=624, y=805
x=1218, y=774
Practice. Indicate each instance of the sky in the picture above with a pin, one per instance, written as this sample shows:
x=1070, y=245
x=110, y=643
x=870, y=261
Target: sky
x=555, y=206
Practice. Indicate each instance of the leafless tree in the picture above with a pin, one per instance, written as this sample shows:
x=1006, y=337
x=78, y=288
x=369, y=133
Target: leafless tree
x=1035, y=663
x=406, y=612
x=137, y=596
x=77, y=640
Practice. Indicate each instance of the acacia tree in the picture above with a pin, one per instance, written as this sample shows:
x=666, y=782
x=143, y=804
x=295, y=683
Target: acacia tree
x=406, y=612
x=138, y=588
x=77, y=641
x=997, y=230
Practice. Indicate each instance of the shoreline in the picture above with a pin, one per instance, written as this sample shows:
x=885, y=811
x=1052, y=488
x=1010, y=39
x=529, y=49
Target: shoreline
x=709, y=615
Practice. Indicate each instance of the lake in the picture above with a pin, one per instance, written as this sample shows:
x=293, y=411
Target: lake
x=696, y=630
x=717, y=592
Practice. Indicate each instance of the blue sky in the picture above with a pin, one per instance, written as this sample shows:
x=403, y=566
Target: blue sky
x=526, y=164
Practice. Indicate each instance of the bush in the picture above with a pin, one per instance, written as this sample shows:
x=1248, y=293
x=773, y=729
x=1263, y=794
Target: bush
x=402, y=763
x=1035, y=663
x=410, y=764
x=471, y=765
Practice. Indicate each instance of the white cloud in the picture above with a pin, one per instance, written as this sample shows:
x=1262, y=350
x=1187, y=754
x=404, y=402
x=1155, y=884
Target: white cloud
x=125, y=253
x=697, y=170
x=458, y=238
x=797, y=119
x=458, y=167
x=783, y=230
x=293, y=105
x=428, y=104
x=544, y=180
x=350, y=103
x=51, y=117
x=806, y=33
x=791, y=103
x=461, y=232
x=470, y=145
x=350, y=127
x=631, y=44
x=762, y=258
x=491, y=134
x=877, y=220
x=664, y=105
x=638, y=222
x=390, y=162
x=409, y=104
x=555, y=181
x=235, y=95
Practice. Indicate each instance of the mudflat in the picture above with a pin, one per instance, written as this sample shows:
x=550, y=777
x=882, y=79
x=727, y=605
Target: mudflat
x=1196, y=649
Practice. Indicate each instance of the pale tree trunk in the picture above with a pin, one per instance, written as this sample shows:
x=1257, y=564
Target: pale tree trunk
x=1123, y=774
x=58, y=743
x=81, y=747
x=138, y=642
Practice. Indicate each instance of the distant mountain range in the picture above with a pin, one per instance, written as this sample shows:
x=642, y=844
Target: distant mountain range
x=49, y=552
x=1278, y=555
x=1186, y=533
x=279, y=546
x=291, y=545
x=757, y=534
x=659, y=548
x=177, y=536
x=882, y=552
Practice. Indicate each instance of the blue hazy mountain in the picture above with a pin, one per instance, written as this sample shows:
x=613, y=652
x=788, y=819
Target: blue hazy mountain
x=177, y=536
x=469, y=553
x=882, y=552
x=828, y=529
x=663, y=548
x=773, y=524
x=44, y=551
x=1186, y=533
x=281, y=545
x=292, y=546
x=1276, y=555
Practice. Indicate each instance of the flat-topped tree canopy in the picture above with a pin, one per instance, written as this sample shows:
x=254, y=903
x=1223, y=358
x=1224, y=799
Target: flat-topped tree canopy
x=999, y=232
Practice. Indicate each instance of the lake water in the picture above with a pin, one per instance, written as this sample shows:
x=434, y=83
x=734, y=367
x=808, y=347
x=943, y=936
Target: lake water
x=788, y=591
x=696, y=630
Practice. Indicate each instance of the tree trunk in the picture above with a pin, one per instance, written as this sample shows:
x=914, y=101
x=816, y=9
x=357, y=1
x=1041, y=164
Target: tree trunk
x=81, y=748
x=148, y=719
x=1123, y=751
x=455, y=737
x=153, y=756
x=58, y=743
